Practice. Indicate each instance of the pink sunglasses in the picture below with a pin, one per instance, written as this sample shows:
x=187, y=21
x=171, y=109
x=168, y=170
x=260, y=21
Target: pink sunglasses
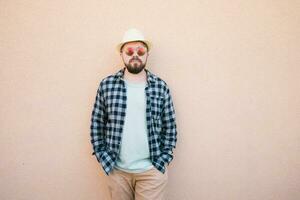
x=140, y=51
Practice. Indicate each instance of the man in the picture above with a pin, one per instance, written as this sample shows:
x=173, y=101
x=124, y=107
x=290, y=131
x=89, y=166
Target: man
x=133, y=128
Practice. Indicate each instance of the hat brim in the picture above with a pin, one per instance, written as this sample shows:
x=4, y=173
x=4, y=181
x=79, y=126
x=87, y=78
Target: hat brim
x=149, y=44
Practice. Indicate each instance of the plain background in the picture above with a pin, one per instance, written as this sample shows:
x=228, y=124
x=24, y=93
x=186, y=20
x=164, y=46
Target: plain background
x=233, y=71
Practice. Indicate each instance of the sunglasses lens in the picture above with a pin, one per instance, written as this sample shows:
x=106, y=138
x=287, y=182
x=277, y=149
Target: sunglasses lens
x=141, y=52
x=129, y=51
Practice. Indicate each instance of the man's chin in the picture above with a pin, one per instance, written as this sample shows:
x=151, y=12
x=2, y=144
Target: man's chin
x=135, y=70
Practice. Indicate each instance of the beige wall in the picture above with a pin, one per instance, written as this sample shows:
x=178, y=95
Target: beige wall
x=233, y=70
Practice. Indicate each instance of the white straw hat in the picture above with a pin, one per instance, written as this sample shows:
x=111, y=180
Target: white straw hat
x=131, y=35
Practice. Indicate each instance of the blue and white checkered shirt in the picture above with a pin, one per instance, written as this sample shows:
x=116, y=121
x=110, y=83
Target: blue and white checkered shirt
x=109, y=114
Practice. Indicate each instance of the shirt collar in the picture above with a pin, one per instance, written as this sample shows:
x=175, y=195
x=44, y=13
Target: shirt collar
x=150, y=76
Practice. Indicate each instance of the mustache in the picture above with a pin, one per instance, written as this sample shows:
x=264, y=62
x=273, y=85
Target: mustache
x=132, y=59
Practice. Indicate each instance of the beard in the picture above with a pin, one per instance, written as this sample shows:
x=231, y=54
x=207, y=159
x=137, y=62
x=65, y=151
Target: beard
x=135, y=66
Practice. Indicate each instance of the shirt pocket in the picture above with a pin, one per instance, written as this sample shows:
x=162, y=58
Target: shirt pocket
x=156, y=103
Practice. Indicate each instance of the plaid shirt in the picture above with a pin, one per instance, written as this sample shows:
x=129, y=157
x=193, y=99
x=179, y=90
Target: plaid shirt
x=108, y=118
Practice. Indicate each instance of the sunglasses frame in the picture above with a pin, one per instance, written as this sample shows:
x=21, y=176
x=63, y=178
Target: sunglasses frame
x=137, y=50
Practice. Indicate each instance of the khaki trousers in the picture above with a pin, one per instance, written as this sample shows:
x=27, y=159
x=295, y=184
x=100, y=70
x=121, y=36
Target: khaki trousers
x=148, y=185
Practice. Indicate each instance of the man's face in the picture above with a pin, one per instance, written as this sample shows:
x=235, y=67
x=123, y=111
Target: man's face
x=134, y=55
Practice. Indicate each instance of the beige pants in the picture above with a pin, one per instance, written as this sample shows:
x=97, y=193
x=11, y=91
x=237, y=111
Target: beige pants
x=148, y=185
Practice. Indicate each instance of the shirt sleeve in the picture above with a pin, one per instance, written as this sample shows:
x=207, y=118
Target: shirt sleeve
x=98, y=122
x=169, y=129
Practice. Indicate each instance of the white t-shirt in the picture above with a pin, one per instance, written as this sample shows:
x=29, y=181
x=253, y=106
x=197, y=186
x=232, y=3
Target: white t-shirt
x=134, y=154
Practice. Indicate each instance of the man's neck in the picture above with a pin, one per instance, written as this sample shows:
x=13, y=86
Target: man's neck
x=135, y=78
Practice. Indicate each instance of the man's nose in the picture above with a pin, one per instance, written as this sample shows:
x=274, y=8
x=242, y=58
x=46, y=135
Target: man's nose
x=135, y=54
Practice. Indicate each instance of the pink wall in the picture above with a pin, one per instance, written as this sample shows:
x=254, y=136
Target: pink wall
x=233, y=70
